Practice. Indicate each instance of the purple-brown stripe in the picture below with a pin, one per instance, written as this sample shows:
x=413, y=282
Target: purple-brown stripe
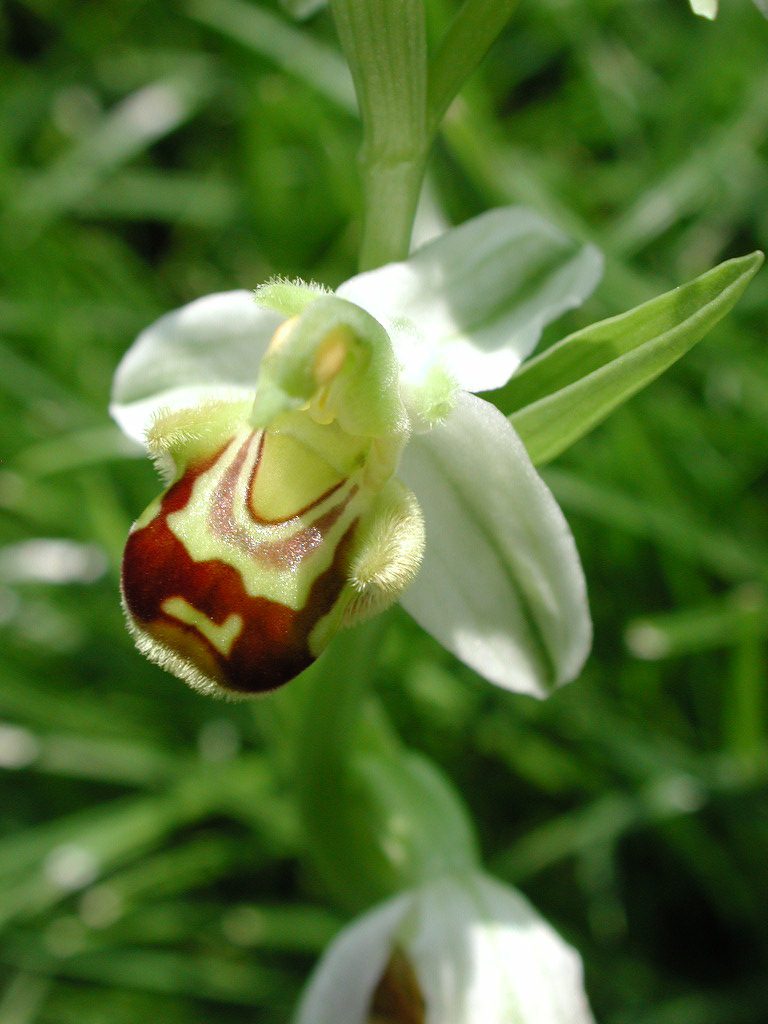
x=286, y=553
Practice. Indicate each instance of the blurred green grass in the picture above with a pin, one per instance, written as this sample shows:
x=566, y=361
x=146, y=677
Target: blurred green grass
x=148, y=856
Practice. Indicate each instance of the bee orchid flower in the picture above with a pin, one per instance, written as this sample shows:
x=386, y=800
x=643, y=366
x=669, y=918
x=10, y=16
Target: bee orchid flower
x=324, y=455
x=456, y=950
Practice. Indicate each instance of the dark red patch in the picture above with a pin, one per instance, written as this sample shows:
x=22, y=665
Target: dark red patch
x=272, y=646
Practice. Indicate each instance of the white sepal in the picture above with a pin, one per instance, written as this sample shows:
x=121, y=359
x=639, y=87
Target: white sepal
x=479, y=296
x=341, y=987
x=501, y=585
x=208, y=350
x=478, y=952
x=705, y=8
x=482, y=953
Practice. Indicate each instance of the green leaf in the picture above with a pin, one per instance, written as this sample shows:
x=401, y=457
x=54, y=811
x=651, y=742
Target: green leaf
x=470, y=35
x=129, y=129
x=567, y=390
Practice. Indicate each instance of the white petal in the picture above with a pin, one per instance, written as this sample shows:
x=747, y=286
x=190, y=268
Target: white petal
x=343, y=983
x=482, y=953
x=501, y=585
x=481, y=293
x=706, y=8
x=208, y=349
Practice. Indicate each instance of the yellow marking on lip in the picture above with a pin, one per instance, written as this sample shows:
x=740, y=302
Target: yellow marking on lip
x=289, y=478
x=221, y=637
x=150, y=512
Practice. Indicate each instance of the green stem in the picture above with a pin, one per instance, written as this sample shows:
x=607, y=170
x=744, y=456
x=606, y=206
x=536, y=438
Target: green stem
x=391, y=191
x=385, y=43
x=327, y=727
x=402, y=106
x=377, y=818
x=332, y=702
x=309, y=723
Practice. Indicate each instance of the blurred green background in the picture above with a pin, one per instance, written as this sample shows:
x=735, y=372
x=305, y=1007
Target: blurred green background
x=149, y=855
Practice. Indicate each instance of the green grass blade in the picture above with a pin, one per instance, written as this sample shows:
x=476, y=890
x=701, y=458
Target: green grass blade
x=293, y=51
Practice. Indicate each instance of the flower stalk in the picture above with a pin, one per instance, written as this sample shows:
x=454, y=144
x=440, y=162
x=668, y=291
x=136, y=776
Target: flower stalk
x=386, y=46
x=377, y=817
x=391, y=188
x=402, y=97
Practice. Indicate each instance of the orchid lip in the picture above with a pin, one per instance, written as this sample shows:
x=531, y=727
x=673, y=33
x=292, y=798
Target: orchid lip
x=198, y=613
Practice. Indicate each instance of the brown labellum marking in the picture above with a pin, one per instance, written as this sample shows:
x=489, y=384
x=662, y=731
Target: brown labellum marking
x=272, y=645
x=288, y=552
x=397, y=998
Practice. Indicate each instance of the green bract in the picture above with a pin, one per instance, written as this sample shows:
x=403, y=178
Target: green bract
x=563, y=393
x=458, y=950
x=320, y=447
